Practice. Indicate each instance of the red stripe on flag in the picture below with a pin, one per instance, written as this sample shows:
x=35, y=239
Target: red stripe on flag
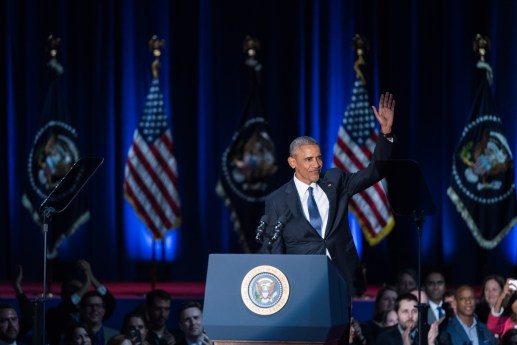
x=149, y=196
x=162, y=183
x=350, y=154
x=153, y=198
x=373, y=207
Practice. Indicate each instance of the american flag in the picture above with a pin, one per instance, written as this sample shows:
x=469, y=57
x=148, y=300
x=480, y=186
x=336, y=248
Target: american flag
x=151, y=174
x=352, y=152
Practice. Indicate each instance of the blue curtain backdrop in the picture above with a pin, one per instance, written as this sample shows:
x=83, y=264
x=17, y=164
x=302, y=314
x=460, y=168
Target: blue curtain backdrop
x=420, y=50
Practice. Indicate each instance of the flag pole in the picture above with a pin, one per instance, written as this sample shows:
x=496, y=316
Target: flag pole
x=153, y=266
x=155, y=47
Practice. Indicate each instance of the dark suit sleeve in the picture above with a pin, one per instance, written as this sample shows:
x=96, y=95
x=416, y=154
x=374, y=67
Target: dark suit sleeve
x=362, y=179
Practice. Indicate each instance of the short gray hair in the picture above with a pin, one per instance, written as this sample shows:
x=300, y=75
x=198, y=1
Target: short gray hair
x=303, y=140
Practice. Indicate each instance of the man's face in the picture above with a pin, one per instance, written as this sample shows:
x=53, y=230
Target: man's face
x=93, y=311
x=465, y=302
x=159, y=313
x=9, y=326
x=307, y=162
x=435, y=287
x=191, y=322
x=407, y=314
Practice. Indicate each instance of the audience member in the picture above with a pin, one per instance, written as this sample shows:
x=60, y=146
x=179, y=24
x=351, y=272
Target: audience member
x=384, y=301
x=503, y=316
x=463, y=328
x=67, y=312
x=119, y=339
x=435, y=288
x=78, y=334
x=190, y=322
x=449, y=303
x=355, y=336
x=158, y=307
x=390, y=318
x=92, y=310
x=26, y=309
x=491, y=288
x=510, y=337
x=135, y=326
x=406, y=280
x=405, y=332
x=421, y=295
x=9, y=325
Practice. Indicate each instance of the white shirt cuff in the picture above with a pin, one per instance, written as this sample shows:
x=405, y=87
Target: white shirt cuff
x=497, y=314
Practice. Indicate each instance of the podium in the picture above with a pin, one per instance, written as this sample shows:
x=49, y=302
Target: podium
x=275, y=299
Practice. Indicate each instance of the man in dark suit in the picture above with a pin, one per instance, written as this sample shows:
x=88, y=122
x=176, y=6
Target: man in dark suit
x=321, y=227
x=464, y=328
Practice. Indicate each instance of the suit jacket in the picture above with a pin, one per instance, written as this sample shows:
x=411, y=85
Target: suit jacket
x=455, y=334
x=430, y=316
x=392, y=336
x=299, y=237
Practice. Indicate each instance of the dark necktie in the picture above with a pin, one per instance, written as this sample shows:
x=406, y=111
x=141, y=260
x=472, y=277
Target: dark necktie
x=314, y=214
x=441, y=312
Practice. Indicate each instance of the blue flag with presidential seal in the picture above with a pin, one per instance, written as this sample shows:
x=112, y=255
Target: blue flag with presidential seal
x=483, y=181
x=54, y=151
x=248, y=166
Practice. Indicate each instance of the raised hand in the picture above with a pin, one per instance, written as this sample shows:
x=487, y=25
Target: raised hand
x=386, y=112
x=432, y=335
x=17, y=281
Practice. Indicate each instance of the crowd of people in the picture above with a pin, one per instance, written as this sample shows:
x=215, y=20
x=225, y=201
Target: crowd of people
x=79, y=318
x=447, y=316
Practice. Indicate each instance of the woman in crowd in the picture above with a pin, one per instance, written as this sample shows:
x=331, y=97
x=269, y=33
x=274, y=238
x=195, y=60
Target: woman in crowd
x=78, y=334
x=384, y=301
x=135, y=327
x=503, y=316
x=390, y=318
x=490, y=290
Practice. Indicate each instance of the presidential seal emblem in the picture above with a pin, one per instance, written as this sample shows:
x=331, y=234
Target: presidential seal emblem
x=53, y=154
x=265, y=290
x=482, y=163
x=249, y=163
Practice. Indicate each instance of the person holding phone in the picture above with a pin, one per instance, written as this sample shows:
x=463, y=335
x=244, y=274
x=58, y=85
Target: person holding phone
x=503, y=315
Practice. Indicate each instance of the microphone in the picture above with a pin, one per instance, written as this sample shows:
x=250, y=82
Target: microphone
x=261, y=228
x=278, y=230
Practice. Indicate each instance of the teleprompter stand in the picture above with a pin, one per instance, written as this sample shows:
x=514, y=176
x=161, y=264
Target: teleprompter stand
x=56, y=202
x=409, y=196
